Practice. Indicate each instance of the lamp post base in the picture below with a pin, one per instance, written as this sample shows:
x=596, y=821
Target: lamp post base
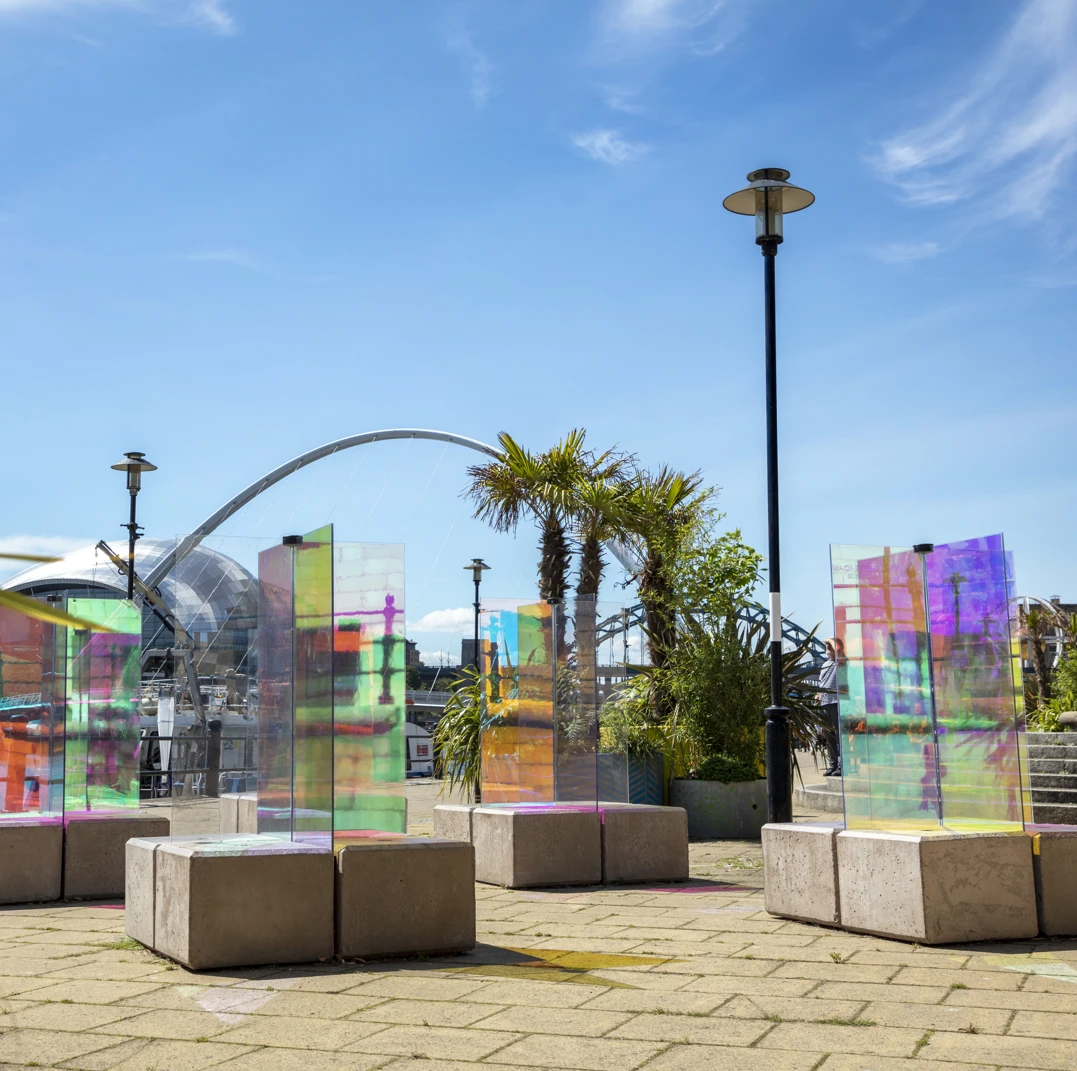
x=778, y=758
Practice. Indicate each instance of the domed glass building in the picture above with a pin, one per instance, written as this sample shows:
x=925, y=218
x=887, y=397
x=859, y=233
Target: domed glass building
x=213, y=597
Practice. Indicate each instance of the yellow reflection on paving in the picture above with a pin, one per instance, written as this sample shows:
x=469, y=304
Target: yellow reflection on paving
x=559, y=965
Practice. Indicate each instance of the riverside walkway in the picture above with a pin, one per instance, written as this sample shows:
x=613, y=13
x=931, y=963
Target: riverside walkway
x=694, y=977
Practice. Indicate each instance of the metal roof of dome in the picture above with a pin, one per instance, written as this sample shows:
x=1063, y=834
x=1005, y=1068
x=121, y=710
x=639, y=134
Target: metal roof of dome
x=206, y=591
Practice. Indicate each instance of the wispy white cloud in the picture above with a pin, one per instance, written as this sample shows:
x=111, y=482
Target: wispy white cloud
x=50, y=546
x=902, y=252
x=436, y=658
x=475, y=63
x=209, y=14
x=608, y=147
x=458, y=619
x=212, y=15
x=1009, y=139
x=239, y=257
x=702, y=26
x=870, y=36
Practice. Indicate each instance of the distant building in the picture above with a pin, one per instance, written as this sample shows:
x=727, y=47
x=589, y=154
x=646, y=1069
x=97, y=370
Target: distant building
x=467, y=652
x=411, y=658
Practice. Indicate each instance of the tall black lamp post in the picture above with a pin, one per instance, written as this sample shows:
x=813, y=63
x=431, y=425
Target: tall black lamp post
x=134, y=463
x=768, y=197
x=477, y=567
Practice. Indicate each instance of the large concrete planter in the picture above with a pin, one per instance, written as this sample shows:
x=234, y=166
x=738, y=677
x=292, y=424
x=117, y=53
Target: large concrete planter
x=720, y=811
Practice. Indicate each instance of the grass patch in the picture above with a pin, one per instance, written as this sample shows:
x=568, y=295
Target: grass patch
x=922, y=1042
x=958, y=985
x=125, y=944
x=970, y=1029
x=837, y=957
x=838, y=1021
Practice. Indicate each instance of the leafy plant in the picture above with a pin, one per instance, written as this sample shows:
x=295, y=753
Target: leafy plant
x=458, y=735
x=727, y=769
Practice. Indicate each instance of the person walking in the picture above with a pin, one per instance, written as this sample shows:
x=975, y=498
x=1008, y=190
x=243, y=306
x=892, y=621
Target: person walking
x=828, y=699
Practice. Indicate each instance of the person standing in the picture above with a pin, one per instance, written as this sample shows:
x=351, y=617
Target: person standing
x=828, y=699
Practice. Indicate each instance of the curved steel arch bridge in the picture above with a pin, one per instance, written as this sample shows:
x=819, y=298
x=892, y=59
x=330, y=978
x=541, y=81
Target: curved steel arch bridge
x=248, y=494
x=610, y=628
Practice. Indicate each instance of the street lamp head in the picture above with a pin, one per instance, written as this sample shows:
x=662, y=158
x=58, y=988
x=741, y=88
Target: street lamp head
x=477, y=567
x=134, y=463
x=768, y=197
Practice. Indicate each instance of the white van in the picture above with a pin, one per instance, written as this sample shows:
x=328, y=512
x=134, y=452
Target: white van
x=420, y=751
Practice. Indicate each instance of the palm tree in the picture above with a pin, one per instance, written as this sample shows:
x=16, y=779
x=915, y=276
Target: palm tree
x=599, y=504
x=546, y=486
x=657, y=507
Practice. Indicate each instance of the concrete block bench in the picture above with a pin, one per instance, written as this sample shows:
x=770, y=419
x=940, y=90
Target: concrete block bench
x=94, y=850
x=525, y=847
x=1054, y=865
x=937, y=888
x=236, y=902
x=570, y=844
x=403, y=896
x=800, y=871
x=641, y=842
x=31, y=860
x=239, y=813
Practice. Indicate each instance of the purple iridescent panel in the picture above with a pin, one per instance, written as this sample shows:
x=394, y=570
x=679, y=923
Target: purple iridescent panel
x=978, y=758
x=928, y=703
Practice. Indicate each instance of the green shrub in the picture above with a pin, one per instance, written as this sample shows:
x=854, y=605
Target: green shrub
x=728, y=769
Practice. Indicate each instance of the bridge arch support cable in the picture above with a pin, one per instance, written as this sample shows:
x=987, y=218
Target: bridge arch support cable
x=248, y=494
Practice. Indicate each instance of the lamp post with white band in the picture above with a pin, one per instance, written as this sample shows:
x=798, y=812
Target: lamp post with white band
x=768, y=197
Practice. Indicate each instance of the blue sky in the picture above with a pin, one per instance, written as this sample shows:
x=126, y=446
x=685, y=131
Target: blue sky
x=233, y=229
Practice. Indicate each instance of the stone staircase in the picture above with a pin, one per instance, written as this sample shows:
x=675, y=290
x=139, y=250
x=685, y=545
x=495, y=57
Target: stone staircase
x=1052, y=764
x=1052, y=760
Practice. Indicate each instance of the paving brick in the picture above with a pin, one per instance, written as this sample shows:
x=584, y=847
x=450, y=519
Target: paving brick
x=298, y=1033
x=177, y=1025
x=706, y=1030
x=964, y=979
x=45, y=1047
x=1043, y=1054
x=720, y=1058
x=586, y=1054
x=806, y=1009
x=146, y=1054
x=1040, y=1024
x=649, y=1000
x=825, y=1037
x=537, y=994
x=903, y=994
x=427, y=1013
x=988, y=998
x=71, y=1017
x=289, y=1060
x=444, y=1043
x=938, y=1017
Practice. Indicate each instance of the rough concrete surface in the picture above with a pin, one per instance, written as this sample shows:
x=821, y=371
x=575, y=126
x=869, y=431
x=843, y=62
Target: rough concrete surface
x=452, y=821
x=519, y=848
x=717, y=810
x=643, y=843
x=31, y=860
x=94, y=851
x=225, y=904
x=937, y=888
x=1054, y=861
x=800, y=865
x=398, y=898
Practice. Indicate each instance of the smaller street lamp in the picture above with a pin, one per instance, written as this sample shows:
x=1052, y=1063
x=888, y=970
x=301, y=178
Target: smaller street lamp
x=477, y=567
x=134, y=463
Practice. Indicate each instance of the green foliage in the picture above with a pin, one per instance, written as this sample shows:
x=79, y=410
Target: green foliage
x=1066, y=679
x=413, y=678
x=727, y=769
x=458, y=735
x=627, y=725
x=1045, y=719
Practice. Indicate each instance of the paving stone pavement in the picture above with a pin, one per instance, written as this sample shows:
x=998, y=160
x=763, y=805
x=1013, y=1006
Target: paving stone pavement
x=693, y=977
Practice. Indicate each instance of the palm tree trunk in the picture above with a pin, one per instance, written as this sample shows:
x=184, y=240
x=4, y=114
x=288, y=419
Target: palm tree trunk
x=660, y=626
x=591, y=566
x=555, y=561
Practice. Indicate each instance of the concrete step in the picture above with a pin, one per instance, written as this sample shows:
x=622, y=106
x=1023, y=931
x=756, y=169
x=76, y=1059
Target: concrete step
x=1062, y=814
x=1053, y=766
x=820, y=797
x=1052, y=751
x=1055, y=795
x=1052, y=780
